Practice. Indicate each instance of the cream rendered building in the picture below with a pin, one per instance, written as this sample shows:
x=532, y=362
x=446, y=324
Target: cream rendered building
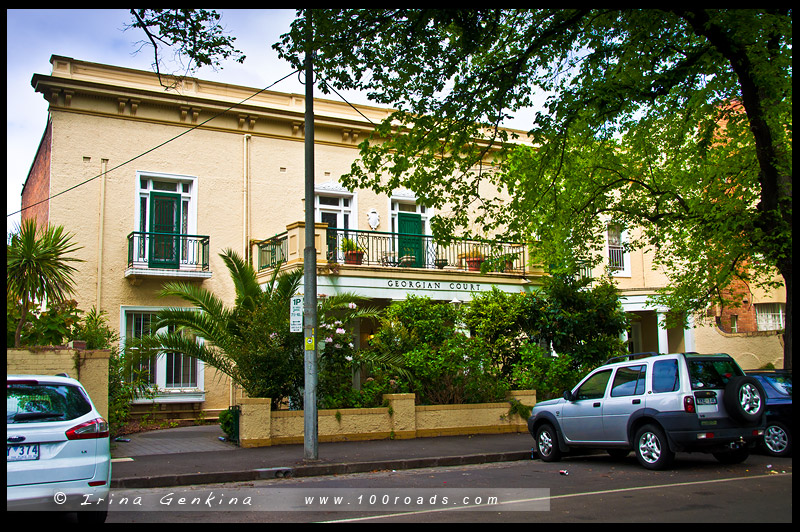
x=156, y=183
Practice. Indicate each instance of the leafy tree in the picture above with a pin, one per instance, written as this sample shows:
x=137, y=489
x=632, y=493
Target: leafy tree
x=583, y=322
x=675, y=121
x=38, y=268
x=249, y=342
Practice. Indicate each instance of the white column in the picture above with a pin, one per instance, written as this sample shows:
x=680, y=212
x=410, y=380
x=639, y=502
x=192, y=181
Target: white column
x=663, y=338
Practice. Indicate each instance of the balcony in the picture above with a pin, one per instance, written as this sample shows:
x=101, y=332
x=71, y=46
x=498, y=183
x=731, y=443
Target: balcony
x=391, y=266
x=397, y=250
x=167, y=256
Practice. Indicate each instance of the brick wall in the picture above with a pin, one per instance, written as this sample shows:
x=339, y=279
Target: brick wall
x=37, y=185
x=745, y=313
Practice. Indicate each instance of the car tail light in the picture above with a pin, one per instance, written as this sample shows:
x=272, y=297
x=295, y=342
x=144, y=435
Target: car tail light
x=705, y=436
x=688, y=404
x=96, y=428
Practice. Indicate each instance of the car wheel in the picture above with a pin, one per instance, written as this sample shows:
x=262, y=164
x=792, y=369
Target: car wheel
x=777, y=439
x=652, y=449
x=745, y=399
x=547, y=443
x=732, y=457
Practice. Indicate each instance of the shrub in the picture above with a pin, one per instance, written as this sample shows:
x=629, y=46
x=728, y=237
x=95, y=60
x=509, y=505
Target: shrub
x=228, y=423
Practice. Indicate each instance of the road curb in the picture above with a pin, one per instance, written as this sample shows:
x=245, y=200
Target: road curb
x=313, y=470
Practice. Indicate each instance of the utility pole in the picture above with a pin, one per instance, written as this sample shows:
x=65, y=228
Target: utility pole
x=310, y=427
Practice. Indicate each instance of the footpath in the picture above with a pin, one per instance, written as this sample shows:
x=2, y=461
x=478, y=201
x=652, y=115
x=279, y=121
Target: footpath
x=198, y=455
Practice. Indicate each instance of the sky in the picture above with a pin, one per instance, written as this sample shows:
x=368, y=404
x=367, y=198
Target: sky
x=96, y=35
x=99, y=36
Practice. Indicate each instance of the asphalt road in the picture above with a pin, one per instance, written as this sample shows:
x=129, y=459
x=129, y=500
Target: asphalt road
x=592, y=488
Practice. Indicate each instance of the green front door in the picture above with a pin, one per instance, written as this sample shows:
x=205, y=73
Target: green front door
x=165, y=218
x=409, y=225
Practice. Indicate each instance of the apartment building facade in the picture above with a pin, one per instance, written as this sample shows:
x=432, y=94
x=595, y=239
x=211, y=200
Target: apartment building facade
x=158, y=182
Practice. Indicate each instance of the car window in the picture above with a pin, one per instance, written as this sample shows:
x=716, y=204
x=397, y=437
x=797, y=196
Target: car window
x=706, y=374
x=594, y=387
x=782, y=383
x=31, y=402
x=665, y=376
x=628, y=381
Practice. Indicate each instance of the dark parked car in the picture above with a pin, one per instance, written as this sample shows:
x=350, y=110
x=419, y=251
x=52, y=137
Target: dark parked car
x=778, y=386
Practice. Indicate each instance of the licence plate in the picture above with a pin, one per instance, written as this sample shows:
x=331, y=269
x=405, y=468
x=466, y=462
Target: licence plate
x=706, y=400
x=19, y=453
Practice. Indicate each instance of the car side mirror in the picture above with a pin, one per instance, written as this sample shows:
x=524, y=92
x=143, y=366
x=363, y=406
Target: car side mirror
x=568, y=396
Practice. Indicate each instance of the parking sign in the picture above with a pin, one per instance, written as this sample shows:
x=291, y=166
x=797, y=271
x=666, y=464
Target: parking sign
x=296, y=314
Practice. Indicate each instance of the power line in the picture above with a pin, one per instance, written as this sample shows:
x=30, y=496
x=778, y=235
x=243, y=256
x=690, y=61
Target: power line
x=328, y=85
x=155, y=147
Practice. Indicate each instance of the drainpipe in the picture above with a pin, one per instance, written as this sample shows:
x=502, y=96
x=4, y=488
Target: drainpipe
x=246, y=198
x=101, y=230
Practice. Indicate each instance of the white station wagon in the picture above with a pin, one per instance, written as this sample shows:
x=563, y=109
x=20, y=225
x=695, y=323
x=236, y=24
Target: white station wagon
x=57, y=449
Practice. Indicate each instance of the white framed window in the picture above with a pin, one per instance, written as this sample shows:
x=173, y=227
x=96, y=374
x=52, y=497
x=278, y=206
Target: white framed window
x=173, y=374
x=404, y=205
x=165, y=207
x=336, y=211
x=618, y=259
x=335, y=205
x=770, y=316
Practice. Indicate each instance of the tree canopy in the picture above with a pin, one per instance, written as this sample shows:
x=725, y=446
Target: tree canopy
x=675, y=122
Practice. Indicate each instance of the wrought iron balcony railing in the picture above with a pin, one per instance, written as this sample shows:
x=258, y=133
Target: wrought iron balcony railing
x=374, y=248
x=168, y=251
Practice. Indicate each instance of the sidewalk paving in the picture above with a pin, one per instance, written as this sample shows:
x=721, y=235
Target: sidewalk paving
x=195, y=455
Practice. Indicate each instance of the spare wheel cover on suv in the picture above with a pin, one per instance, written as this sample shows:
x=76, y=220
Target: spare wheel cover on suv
x=745, y=399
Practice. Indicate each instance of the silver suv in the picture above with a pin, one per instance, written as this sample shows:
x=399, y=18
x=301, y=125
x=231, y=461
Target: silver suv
x=656, y=405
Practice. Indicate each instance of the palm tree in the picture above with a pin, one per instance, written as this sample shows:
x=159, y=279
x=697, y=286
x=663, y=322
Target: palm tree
x=250, y=342
x=37, y=267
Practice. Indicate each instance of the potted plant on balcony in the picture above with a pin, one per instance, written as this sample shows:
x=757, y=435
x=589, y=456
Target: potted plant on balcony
x=473, y=260
x=408, y=259
x=499, y=263
x=352, y=253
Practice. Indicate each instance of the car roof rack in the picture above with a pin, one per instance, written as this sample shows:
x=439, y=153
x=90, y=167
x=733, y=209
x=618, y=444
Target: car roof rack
x=631, y=356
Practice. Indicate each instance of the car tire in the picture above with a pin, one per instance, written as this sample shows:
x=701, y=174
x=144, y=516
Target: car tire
x=547, y=443
x=652, y=448
x=777, y=439
x=745, y=399
x=732, y=457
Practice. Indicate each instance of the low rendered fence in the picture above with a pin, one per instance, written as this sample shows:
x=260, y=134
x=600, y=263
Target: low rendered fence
x=259, y=426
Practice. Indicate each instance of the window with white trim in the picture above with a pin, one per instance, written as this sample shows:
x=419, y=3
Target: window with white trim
x=168, y=371
x=618, y=258
x=166, y=204
x=770, y=316
x=406, y=205
x=336, y=211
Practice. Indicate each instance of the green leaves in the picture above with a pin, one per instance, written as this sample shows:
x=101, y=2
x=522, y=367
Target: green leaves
x=675, y=124
x=192, y=33
x=38, y=266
